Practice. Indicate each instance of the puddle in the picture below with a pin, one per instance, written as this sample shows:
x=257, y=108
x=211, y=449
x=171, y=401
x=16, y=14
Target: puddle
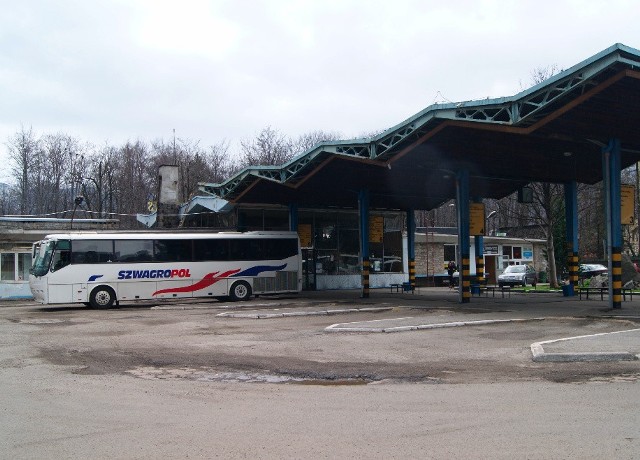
x=42, y=321
x=624, y=378
x=210, y=375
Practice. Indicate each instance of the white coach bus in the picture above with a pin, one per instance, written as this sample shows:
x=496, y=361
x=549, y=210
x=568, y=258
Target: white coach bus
x=100, y=269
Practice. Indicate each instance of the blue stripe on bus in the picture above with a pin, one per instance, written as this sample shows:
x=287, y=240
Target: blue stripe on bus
x=255, y=271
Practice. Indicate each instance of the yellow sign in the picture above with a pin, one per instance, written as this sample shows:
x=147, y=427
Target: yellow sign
x=376, y=229
x=304, y=233
x=627, y=204
x=476, y=219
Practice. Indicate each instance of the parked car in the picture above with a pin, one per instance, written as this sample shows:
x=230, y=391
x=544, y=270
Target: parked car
x=590, y=270
x=515, y=275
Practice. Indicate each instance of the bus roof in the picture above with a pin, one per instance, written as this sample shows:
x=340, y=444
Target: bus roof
x=167, y=235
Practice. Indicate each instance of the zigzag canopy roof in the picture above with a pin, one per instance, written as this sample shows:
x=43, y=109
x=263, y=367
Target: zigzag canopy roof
x=552, y=132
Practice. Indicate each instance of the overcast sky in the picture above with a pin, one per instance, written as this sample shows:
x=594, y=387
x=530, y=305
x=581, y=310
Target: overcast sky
x=112, y=71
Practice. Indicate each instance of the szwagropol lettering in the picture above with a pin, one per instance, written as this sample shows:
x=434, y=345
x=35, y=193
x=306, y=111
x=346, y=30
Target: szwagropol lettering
x=153, y=274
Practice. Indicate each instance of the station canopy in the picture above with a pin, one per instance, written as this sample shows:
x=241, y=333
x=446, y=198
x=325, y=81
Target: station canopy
x=553, y=132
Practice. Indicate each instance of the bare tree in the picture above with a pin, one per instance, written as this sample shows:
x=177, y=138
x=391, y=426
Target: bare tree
x=61, y=163
x=219, y=162
x=8, y=201
x=134, y=178
x=270, y=147
x=547, y=212
x=308, y=140
x=23, y=147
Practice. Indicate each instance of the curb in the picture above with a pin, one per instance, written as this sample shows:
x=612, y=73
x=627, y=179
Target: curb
x=339, y=328
x=539, y=355
x=301, y=313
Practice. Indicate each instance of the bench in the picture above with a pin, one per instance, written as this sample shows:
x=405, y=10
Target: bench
x=602, y=290
x=493, y=289
x=588, y=290
x=478, y=288
x=403, y=287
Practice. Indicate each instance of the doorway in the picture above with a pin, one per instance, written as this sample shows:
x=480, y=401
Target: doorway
x=490, y=269
x=308, y=269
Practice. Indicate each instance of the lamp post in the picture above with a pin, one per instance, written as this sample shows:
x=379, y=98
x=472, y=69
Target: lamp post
x=491, y=215
x=77, y=202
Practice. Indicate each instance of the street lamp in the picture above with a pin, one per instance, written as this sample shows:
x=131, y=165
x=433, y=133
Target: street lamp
x=77, y=202
x=491, y=215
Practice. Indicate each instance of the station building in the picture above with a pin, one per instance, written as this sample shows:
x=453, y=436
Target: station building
x=17, y=235
x=579, y=126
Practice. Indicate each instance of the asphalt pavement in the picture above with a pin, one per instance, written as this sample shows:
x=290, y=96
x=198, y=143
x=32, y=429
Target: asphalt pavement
x=623, y=344
x=514, y=307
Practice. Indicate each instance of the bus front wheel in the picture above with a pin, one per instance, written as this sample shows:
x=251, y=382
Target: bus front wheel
x=240, y=291
x=102, y=297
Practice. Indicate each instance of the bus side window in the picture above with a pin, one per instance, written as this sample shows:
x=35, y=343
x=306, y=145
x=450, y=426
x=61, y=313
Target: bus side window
x=60, y=259
x=133, y=250
x=172, y=251
x=204, y=250
x=92, y=251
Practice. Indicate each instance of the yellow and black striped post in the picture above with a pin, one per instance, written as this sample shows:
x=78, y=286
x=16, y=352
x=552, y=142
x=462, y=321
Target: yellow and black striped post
x=365, y=277
x=465, y=278
x=363, y=212
x=616, y=272
x=412, y=273
x=571, y=224
x=572, y=260
x=480, y=269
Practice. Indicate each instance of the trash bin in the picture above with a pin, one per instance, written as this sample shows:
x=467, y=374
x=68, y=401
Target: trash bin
x=475, y=289
x=567, y=290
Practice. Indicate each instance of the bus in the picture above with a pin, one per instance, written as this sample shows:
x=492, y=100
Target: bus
x=103, y=269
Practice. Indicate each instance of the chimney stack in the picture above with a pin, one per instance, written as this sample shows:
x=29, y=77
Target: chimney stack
x=168, y=203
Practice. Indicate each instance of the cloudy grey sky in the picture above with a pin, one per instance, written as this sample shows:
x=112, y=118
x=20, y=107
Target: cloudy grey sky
x=213, y=70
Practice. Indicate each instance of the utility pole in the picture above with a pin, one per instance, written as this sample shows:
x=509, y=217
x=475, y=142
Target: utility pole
x=175, y=157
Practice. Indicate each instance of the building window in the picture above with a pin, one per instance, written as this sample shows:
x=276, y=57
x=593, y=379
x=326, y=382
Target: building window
x=517, y=252
x=348, y=248
x=326, y=236
x=24, y=265
x=392, y=259
x=450, y=254
x=7, y=266
x=336, y=240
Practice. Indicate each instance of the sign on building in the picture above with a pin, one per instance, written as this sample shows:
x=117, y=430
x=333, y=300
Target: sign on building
x=376, y=229
x=491, y=249
x=476, y=219
x=627, y=204
x=304, y=233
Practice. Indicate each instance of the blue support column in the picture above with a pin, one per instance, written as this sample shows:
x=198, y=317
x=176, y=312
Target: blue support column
x=611, y=174
x=464, y=242
x=411, y=246
x=571, y=220
x=293, y=217
x=363, y=210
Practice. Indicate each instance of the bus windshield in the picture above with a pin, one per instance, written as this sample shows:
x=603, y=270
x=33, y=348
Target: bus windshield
x=58, y=251
x=42, y=259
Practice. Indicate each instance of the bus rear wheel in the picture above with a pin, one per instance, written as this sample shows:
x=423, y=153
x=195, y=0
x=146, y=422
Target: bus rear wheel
x=102, y=297
x=240, y=291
